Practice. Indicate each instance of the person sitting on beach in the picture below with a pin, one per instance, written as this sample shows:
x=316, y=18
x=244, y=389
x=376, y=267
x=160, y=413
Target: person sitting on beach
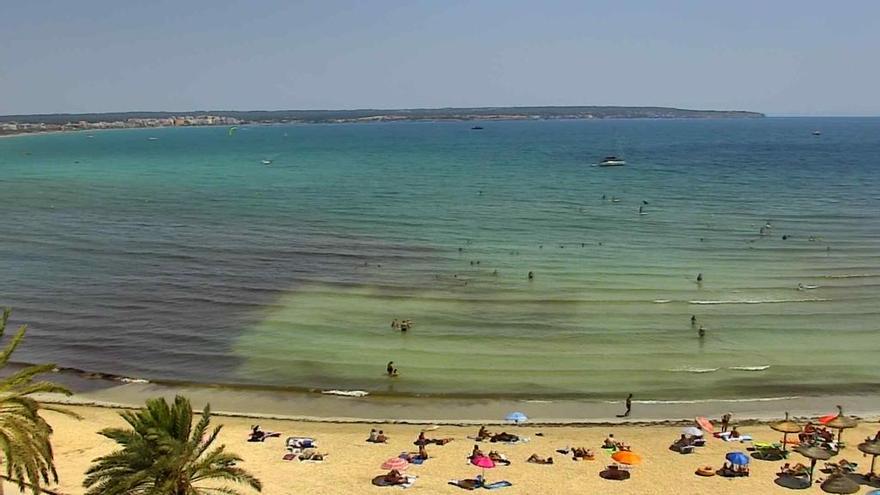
x=394, y=477
x=421, y=440
x=440, y=441
x=825, y=435
x=499, y=458
x=536, y=459
x=582, y=453
x=734, y=433
x=808, y=435
x=422, y=455
x=476, y=452
x=483, y=434
x=610, y=442
x=381, y=437
x=681, y=444
x=377, y=437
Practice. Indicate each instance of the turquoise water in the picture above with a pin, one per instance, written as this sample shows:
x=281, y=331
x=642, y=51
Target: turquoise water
x=186, y=258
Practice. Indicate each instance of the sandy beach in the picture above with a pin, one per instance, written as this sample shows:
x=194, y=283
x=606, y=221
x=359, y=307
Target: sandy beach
x=352, y=462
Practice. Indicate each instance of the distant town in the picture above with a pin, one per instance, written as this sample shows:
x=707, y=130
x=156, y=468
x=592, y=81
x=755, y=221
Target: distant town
x=20, y=124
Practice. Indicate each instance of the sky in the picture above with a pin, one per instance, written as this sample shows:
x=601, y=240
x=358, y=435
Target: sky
x=781, y=57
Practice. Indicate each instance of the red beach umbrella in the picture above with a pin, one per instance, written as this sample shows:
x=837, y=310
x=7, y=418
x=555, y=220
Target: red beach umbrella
x=705, y=424
x=484, y=462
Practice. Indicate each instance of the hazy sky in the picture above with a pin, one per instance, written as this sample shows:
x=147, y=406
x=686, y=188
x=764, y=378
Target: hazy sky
x=775, y=56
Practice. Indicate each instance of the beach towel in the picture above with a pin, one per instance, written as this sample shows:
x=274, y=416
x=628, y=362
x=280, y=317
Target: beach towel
x=294, y=443
x=498, y=484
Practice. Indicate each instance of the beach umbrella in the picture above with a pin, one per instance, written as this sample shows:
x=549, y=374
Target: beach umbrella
x=838, y=483
x=692, y=431
x=483, y=462
x=395, y=463
x=785, y=427
x=738, y=458
x=626, y=457
x=873, y=450
x=705, y=424
x=841, y=422
x=813, y=453
x=517, y=417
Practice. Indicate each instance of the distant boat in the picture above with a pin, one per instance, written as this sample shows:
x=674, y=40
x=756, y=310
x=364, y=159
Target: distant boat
x=476, y=128
x=612, y=161
x=152, y=139
x=267, y=162
x=817, y=133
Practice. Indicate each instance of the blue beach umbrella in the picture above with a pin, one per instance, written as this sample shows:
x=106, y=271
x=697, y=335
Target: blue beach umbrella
x=737, y=458
x=517, y=417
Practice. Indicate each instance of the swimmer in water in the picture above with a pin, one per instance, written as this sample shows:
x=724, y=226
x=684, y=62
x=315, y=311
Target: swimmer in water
x=390, y=369
x=693, y=320
x=699, y=278
x=701, y=332
x=531, y=275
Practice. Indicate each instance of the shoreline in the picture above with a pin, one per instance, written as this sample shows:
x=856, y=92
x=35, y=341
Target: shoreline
x=322, y=408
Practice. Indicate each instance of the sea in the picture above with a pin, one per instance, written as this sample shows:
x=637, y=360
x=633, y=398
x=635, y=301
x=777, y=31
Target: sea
x=276, y=257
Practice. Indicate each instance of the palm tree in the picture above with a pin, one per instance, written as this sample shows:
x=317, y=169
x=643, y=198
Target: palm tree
x=163, y=454
x=25, y=445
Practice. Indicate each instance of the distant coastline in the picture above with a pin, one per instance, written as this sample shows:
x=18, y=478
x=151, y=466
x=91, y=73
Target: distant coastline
x=39, y=123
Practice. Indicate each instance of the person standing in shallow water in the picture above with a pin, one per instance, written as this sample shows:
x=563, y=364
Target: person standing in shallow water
x=629, y=400
x=390, y=369
x=531, y=275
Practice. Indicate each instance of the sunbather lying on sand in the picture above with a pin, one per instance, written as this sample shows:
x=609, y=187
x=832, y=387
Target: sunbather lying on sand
x=796, y=470
x=504, y=437
x=422, y=440
x=581, y=453
x=536, y=459
x=258, y=435
x=499, y=458
x=311, y=455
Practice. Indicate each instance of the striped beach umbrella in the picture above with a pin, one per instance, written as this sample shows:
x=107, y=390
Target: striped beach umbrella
x=395, y=463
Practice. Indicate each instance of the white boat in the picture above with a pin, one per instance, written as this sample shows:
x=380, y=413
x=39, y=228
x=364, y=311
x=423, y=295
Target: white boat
x=267, y=162
x=612, y=161
x=817, y=133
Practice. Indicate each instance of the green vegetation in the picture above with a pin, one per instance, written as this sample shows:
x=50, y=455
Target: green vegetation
x=163, y=454
x=478, y=113
x=24, y=434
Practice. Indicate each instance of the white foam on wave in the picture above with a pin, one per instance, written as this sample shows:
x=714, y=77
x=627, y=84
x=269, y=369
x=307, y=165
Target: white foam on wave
x=133, y=380
x=749, y=368
x=662, y=301
x=346, y=393
x=535, y=401
x=689, y=369
x=854, y=275
x=759, y=301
